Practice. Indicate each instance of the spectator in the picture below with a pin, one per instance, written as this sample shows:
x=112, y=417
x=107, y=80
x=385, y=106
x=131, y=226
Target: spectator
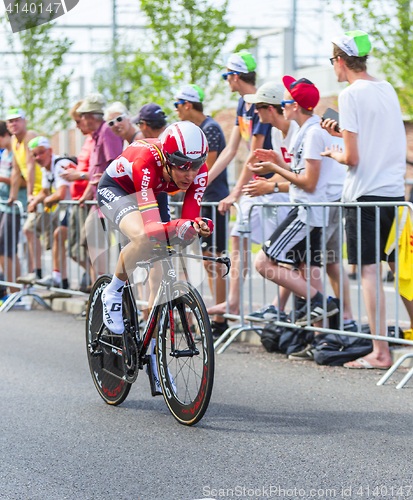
x=24, y=165
x=371, y=125
x=78, y=177
x=9, y=216
x=308, y=173
x=189, y=106
x=267, y=102
x=151, y=120
x=282, y=136
x=118, y=118
x=54, y=189
x=241, y=77
x=107, y=147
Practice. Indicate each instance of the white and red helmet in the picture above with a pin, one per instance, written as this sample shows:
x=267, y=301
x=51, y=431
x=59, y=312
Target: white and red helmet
x=184, y=145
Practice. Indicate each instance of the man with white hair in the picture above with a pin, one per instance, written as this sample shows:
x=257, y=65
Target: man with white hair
x=119, y=120
x=108, y=146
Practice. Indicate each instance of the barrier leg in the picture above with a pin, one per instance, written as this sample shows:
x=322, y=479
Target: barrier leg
x=405, y=379
x=393, y=368
x=235, y=335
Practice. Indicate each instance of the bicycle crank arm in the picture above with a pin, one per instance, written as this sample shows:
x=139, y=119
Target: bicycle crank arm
x=187, y=353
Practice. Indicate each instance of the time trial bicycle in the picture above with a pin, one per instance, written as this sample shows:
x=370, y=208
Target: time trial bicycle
x=184, y=343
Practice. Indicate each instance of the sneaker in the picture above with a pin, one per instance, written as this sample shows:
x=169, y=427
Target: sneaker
x=218, y=328
x=307, y=353
x=48, y=282
x=28, y=279
x=266, y=313
x=350, y=326
x=317, y=311
x=112, y=314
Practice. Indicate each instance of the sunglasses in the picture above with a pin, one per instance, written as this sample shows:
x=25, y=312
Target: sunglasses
x=118, y=119
x=332, y=59
x=283, y=103
x=264, y=106
x=182, y=162
x=225, y=75
x=177, y=103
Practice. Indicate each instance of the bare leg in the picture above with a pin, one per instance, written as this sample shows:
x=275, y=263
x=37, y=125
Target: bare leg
x=333, y=271
x=215, y=272
x=11, y=275
x=30, y=243
x=59, y=250
x=235, y=281
x=381, y=354
x=287, y=278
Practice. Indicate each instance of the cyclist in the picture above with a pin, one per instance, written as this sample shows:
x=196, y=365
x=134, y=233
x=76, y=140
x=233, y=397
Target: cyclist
x=127, y=197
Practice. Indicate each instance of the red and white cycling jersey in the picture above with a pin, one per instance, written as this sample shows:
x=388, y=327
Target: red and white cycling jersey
x=140, y=169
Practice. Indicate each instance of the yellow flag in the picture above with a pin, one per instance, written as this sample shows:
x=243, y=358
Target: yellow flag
x=405, y=251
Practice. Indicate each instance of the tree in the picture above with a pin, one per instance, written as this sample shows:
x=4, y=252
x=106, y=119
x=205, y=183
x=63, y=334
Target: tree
x=149, y=82
x=188, y=36
x=390, y=24
x=43, y=93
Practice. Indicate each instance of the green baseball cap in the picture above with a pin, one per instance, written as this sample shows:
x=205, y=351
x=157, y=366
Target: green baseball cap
x=191, y=93
x=39, y=141
x=353, y=43
x=15, y=113
x=243, y=62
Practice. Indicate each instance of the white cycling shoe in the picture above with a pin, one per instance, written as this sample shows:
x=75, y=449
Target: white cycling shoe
x=112, y=313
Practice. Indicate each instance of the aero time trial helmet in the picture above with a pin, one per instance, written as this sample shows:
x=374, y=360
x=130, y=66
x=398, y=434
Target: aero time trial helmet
x=184, y=145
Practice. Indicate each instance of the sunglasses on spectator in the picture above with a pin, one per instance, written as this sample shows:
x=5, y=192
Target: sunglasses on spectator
x=118, y=119
x=177, y=103
x=283, y=103
x=332, y=59
x=264, y=106
x=225, y=75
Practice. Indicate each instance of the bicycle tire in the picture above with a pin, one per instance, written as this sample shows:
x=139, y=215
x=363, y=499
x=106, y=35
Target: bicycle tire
x=113, y=389
x=188, y=394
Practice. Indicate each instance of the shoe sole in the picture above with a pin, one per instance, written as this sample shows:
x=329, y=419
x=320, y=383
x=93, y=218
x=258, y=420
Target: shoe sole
x=254, y=318
x=299, y=358
x=304, y=321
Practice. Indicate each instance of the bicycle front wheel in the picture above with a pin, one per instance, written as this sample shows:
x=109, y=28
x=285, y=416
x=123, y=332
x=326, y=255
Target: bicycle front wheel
x=105, y=359
x=185, y=354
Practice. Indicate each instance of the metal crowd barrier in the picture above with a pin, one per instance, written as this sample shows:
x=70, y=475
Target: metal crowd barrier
x=110, y=254
x=246, y=324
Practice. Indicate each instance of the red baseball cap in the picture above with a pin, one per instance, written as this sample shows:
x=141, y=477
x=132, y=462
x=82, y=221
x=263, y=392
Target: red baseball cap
x=304, y=92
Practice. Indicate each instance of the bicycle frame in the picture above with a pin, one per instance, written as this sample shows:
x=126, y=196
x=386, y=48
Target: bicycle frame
x=163, y=296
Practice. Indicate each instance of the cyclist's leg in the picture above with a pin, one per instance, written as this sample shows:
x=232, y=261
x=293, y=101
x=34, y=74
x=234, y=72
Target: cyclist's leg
x=138, y=248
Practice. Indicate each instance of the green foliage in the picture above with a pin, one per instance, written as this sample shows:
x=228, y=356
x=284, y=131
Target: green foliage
x=43, y=93
x=390, y=24
x=188, y=36
x=149, y=82
x=249, y=43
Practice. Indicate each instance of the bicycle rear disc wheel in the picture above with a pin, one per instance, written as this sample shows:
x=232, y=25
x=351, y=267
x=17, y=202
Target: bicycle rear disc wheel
x=186, y=378
x=105, y=363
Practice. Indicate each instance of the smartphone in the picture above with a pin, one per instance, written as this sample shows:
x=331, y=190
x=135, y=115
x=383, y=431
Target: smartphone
x=332, y=115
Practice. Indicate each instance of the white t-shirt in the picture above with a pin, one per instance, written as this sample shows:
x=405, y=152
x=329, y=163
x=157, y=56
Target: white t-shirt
x=281, y=144
x=307, y=144
x=51, y=178
x=372, y=110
